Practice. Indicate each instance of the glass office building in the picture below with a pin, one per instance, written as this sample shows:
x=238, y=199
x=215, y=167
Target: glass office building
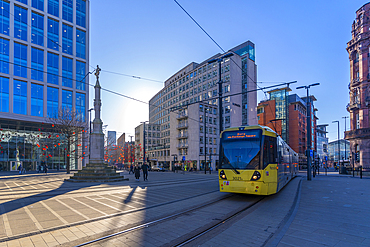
x=44, y=54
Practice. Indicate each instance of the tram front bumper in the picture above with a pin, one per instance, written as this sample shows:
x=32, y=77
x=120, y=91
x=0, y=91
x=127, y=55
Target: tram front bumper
x=246, y=187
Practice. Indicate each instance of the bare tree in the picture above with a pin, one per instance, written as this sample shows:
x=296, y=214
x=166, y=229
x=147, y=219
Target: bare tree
x=71, y=126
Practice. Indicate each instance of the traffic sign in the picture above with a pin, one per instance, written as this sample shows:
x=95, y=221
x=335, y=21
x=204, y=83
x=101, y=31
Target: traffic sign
x=183, y=158
x=311, y=153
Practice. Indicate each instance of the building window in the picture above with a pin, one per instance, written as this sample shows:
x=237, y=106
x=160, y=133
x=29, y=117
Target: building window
x=67, y=39
x=38, y=4
x=53, y=68
x=80, y=106
x=20, y=60
x=81, y=13
x=67, y=10
x=37, y=64
x=53, y=34
x=80, y=75
x=4, y=94
x=37, y=100
x=22, y=1
x=20, y=23
x=53, y=7
x=80, y=44
x=67, y=100
x=357, y=121
x=52, y=102
x=67, y=65
x=4, y=17
x=227, y=119
x=20, y=97
x=37, y=30
x=4, y=56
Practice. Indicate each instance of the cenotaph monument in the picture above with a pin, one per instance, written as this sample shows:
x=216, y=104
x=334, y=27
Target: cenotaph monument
x=97, y=170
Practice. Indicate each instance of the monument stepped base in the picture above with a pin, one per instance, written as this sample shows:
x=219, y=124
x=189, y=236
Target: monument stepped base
x=101, y=173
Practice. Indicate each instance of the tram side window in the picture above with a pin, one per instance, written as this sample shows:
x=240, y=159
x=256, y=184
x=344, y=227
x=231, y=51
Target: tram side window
x=269, y=151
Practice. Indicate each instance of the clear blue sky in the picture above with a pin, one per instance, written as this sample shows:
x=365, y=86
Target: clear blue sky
x=302, y=41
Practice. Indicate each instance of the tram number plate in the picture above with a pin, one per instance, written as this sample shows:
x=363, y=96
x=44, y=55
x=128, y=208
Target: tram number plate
x=237, y=178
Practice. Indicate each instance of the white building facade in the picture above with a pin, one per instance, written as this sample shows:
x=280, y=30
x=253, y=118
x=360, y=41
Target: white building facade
x=186, y=109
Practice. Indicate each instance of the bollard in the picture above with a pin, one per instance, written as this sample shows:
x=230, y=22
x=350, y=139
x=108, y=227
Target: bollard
x=361, y=172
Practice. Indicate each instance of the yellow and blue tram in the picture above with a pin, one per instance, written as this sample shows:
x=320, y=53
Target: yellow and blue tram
x=255, y=160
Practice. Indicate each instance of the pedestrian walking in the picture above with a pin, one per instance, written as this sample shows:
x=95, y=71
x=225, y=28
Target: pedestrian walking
x=145, y=168
x=210, y=169
x=46, y=169
x=20, y=169
x=131, y=169
x=137, y=172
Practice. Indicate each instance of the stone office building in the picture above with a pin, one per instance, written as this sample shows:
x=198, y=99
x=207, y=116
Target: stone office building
x=186, y=109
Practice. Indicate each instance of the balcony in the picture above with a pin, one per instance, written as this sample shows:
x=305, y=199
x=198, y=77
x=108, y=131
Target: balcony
x=182, y=125
x=182, y=115
x=353, y=106
x=358, y=133
x=183, y=145
x=182, y=136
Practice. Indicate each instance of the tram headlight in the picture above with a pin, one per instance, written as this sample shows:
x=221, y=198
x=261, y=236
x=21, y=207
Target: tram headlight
x=256, y=175
x=222, y=175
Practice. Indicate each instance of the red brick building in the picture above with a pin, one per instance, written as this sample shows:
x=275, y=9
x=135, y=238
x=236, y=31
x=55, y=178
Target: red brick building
x=271, y=113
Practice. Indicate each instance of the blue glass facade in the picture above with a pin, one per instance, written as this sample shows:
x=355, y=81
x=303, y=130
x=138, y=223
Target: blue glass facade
x=53, y=34
x=53, y=7
x=67, y=39
x=67, y=67
x=43, y=49
x=20, y=97
x=80, y=44
x=53, y=68
x=80, y=75
x=37, y=64
x=37, y=31
x=67, y=10
x=4, y=56
x=4, y=17
x=4, y=94
x=67, y=99
x=38, y=4
x=37, y=100
x=81, y=13
x=20, y=60
x=20, y=23
x=80, y=106
x=52, y=102
x=22, y=1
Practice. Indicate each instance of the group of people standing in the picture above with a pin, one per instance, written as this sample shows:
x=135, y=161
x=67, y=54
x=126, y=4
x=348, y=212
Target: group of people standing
x=136, y=171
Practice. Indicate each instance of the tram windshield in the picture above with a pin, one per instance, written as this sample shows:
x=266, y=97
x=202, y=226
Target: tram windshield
x=241, y=149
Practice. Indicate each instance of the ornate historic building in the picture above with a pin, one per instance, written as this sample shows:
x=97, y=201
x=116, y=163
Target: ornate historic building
x=359, y=87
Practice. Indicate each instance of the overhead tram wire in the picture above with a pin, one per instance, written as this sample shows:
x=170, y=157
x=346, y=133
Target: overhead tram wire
x=219, y=46
x=56, y=43
x=213, y=40
x=136, y=77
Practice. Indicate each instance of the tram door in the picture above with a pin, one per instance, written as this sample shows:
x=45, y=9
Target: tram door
x=14, y=165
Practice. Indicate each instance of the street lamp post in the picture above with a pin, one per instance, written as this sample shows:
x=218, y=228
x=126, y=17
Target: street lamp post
x=144, y=141
x=338, y=143
x=219, y=60
x=345, y=144
x=308, y=106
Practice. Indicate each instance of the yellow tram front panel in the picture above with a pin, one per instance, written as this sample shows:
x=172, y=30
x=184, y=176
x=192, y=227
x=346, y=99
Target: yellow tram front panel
x=242, y=183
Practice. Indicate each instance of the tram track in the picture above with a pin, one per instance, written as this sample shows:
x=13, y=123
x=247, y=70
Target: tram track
x=81, y=190
x=192, y=235
x=201, y=235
